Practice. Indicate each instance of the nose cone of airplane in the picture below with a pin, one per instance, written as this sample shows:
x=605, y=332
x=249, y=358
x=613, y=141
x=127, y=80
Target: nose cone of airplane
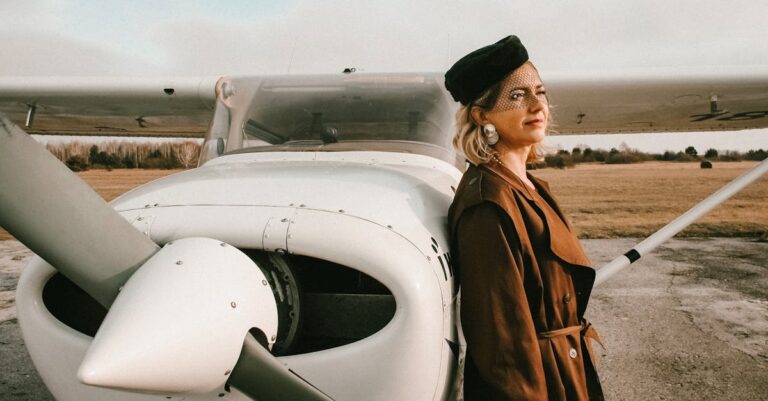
x=178, y=324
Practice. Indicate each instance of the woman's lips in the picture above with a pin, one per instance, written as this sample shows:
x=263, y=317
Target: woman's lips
x=537, y=122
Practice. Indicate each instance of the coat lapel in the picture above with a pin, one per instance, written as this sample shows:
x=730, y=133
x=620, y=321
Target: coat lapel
x=562, y=240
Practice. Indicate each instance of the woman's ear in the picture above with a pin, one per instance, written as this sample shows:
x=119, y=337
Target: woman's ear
x=478, y=114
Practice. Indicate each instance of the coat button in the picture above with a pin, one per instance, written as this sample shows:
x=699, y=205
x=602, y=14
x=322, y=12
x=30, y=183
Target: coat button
x=572, y=353
x=567, y=297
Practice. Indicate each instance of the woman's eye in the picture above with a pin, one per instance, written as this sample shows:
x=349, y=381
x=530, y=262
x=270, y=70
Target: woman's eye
x=517, y=95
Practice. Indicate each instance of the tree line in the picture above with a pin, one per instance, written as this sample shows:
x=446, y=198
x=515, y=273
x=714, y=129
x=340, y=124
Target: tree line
x=80, y=156
x=625, y=155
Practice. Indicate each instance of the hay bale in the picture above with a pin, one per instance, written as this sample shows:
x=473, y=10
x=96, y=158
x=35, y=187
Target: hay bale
x=706, y=164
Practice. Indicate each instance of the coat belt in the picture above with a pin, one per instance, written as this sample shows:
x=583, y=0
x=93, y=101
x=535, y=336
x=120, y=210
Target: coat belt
x=587, y=331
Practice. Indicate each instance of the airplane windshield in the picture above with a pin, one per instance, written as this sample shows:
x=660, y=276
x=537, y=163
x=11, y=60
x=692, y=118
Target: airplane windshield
x=384, y=112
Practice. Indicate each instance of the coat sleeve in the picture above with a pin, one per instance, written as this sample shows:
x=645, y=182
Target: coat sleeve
x=498, y=327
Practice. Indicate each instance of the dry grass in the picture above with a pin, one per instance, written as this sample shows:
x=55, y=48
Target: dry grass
x=111, y=184
x=634, y=200
x=603, y=201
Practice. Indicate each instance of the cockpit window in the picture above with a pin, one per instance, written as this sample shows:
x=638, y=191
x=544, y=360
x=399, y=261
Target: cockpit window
x=357, y=108
x=364, y=112
x=409, y=113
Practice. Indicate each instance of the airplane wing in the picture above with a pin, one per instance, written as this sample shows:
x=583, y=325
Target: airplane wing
x=714, y=99
x=659, y=101
x=109, y=106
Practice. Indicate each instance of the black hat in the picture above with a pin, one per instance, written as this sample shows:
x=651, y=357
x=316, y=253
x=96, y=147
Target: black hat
x=479, y=70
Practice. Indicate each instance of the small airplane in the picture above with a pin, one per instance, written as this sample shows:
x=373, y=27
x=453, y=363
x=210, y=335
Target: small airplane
x=306, y=258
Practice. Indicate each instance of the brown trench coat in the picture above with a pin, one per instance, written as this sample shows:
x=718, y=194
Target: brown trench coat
x=525, y=286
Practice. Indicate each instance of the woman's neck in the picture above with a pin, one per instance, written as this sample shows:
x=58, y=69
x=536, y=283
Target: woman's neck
x=515, y=160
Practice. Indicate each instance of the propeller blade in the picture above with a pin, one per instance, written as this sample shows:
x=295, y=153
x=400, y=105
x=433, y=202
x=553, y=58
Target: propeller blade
x=59, y=217
x=263, y=377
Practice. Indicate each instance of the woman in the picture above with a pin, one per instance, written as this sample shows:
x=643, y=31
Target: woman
x=525, y=280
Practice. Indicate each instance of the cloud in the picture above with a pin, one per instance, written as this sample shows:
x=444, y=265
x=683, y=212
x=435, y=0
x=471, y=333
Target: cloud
x=31, y=15
x=417, y=36
x=589, y=35
x=315, y=37
x=54, y=37
x=42, y=37
x=50, y=54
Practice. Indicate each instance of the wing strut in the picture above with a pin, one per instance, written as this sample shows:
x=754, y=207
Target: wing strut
x=683, y=221
x=31, y=114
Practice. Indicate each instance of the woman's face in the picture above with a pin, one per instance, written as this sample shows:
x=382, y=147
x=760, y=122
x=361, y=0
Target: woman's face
x=521, y=111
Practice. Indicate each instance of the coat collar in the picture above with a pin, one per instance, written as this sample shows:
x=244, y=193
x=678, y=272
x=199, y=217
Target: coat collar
x=511, y=178
x=566, y=246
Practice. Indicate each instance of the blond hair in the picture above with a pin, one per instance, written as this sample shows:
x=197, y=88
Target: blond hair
x=470, y=142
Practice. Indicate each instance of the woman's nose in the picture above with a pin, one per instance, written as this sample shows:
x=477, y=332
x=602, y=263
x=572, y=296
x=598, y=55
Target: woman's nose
x=535, y=104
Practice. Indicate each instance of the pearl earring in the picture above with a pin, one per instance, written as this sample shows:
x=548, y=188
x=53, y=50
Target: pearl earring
x=491, y=136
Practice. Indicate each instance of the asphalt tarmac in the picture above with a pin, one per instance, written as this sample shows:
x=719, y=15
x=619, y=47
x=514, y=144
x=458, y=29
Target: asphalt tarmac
x=687, y=322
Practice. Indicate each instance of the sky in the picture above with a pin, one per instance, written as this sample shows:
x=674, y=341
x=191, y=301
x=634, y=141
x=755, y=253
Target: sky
x=205, y=38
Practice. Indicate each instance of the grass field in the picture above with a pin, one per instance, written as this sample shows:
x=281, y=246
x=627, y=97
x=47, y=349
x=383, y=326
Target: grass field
x=634, y=200
x=603, y=201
